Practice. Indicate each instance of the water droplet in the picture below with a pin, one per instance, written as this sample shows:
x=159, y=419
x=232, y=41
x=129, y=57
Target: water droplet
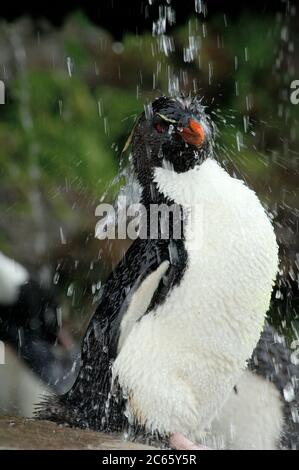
x=70, y=290
x=70, y=66
x=288, y=392
x=118, y=47
x=295, y=357
x=56, y=278
x=62, y=236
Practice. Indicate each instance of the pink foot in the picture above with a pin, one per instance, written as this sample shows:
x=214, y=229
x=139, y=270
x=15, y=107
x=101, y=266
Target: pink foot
x=179, y=442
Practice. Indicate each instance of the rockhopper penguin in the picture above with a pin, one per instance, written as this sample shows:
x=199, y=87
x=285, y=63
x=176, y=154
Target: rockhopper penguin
x=178, y=317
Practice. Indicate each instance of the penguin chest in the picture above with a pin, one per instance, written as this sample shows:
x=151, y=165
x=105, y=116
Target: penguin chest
x=180, y=362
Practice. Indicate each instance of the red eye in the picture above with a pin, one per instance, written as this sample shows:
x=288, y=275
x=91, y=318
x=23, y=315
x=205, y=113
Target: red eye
x=159, y=128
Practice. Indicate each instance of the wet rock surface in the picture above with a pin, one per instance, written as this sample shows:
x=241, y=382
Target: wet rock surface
x=23, y=433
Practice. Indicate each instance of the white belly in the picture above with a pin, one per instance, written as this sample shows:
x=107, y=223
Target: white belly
x=180, y=363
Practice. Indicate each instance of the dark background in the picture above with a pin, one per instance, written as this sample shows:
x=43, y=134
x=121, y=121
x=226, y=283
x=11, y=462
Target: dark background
x=119, y=17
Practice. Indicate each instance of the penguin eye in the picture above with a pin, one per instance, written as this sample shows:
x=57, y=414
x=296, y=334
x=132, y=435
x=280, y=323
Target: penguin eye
x=162, y=122
x=160, y=127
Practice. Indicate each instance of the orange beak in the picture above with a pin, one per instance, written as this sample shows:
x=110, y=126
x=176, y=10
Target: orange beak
x=194, y=134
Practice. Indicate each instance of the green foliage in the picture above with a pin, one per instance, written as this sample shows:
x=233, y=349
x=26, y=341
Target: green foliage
x=56, y=128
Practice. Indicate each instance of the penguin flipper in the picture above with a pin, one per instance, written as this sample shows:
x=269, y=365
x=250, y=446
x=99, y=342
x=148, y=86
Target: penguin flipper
x=141, y=261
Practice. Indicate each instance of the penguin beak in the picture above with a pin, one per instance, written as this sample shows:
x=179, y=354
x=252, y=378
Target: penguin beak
x=194, y=134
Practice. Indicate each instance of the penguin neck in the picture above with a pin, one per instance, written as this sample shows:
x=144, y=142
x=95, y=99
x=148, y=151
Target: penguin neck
x=151, y=195
x=164, y=216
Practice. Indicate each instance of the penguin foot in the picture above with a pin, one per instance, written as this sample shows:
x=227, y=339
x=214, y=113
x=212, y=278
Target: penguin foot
x=179, y=442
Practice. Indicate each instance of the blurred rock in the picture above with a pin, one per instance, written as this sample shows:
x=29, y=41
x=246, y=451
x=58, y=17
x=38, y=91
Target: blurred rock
x=18, y=433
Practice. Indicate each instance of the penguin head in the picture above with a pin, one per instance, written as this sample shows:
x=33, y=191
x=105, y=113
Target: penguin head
x=172, y=132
